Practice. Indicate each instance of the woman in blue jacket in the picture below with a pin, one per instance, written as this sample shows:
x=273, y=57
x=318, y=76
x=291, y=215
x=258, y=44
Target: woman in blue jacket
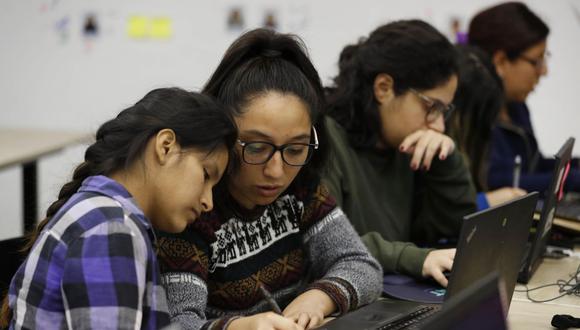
x=516, y=39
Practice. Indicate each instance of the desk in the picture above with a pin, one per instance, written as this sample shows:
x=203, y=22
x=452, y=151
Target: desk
x=527, y=315
x=25, y=147
x=524, y=314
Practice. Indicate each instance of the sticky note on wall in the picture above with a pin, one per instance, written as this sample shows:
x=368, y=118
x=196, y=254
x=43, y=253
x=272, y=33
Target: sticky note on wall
x=137, y=27
x=144, y=27
x=161, y=28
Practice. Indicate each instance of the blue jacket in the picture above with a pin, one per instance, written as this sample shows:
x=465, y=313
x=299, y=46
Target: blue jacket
x=517, y=138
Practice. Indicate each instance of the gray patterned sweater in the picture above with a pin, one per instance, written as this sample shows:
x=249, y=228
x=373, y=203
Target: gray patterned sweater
x=213, y=270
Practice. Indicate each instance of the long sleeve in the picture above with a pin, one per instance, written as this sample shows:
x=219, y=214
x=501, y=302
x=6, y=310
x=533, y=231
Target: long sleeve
x=184, y=265
x=187, y=300
x=92, y=267
x=506, y=144
x=501, y=168
x=393, y=256
x=104, y=279
x=375, y=190
x=443, y=195
x=396, y=257
x=500, y=172
x=347, y=272
x=518, y=138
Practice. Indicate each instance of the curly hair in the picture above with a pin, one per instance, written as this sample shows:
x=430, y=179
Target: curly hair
x=412, y=52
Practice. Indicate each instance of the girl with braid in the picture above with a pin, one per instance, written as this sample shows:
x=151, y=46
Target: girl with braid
x=275, y=225
x=91, y=261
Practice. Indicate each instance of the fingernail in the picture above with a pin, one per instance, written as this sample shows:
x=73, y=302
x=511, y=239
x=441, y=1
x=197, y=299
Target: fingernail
x=442, y=157
x=402, y=148
x=414, y=167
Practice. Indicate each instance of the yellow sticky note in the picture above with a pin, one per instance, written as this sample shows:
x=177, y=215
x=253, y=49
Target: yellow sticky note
x=138, y=27
x=161, y=28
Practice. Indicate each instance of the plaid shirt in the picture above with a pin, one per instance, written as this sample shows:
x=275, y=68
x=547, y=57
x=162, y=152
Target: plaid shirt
x=93, y=266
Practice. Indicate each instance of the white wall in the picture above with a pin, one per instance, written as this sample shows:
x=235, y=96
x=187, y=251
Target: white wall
x=51, y=81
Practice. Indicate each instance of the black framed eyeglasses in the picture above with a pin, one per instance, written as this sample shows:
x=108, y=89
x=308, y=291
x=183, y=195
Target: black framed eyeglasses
x=293, y=154
x=434, y=107
x=537, y=63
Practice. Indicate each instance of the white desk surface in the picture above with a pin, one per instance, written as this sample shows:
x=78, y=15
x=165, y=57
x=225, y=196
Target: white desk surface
x=19, y=146
x=527, y=315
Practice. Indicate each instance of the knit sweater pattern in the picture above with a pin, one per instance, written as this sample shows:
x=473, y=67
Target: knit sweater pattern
x=212, y=272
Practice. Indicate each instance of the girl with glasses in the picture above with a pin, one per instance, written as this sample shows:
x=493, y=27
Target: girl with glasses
x=275, y=227
x=516, y=40
x=91, y=262
x=394, y=172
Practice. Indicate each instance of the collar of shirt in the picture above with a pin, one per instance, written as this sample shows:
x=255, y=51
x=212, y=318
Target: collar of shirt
x=103, y=185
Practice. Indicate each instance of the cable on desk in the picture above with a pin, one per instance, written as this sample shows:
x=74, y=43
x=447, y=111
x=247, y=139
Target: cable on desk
x=569, y=287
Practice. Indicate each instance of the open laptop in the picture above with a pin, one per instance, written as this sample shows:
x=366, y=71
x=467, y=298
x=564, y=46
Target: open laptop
x=537, y=247
x=569, y=207
x=481, y=306
x=490, y=240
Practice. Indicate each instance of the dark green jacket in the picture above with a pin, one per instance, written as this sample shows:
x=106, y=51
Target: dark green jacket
x=391, y=205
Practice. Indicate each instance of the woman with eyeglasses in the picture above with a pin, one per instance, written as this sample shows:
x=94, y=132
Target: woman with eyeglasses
x=275, y=228
x=395, y=173
x=516, y=39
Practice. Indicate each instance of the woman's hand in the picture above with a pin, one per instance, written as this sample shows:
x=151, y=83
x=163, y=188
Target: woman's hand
x=425, y=144
x=504, y=194
x=264, y=321
x=436, y=263
x=309, y=309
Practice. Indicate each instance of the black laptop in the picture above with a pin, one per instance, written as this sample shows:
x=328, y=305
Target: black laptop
x=490, y=240
x=537, y=246
x=481, y=306
x=569, y=207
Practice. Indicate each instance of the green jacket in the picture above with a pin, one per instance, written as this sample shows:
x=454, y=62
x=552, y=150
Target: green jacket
x=391, y=205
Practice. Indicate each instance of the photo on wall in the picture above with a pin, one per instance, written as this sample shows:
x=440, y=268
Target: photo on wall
x=235, y=19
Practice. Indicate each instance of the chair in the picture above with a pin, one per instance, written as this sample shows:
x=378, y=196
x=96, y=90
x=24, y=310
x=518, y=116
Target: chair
x=12, y=258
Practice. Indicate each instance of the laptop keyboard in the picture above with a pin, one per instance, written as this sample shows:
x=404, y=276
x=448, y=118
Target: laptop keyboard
x=568, y=211
x=412, y=320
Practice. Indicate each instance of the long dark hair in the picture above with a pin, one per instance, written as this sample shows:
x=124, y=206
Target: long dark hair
x=478, y=100
x=511, y=27
x=412, y=52
x=198, y=122
x=261, y=61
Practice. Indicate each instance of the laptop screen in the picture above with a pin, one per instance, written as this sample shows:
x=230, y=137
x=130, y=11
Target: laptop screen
x=492, y=239
x=553, y=195
x=480, y=306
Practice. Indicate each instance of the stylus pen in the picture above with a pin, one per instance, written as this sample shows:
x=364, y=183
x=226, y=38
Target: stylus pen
x=270, y=300
x=517, y=171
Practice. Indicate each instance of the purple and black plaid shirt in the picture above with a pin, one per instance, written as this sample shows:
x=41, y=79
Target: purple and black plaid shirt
x=93, y=266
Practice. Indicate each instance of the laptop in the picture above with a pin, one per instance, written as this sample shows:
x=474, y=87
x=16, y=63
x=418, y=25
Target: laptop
x=490, y=240
x=569, y=207
x=537, y=246
x=481, y=306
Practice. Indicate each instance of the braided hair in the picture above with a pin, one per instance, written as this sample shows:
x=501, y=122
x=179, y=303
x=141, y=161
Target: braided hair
x=197, y=120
